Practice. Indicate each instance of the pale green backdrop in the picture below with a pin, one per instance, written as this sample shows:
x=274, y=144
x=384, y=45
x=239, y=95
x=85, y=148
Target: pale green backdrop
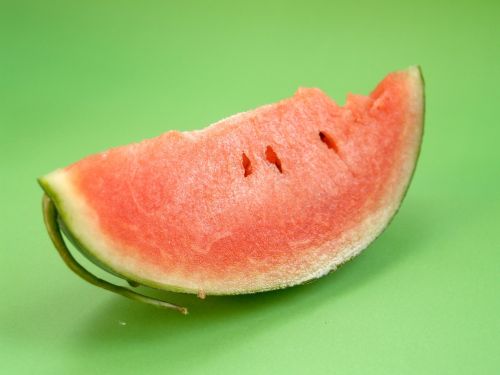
x=79, y=77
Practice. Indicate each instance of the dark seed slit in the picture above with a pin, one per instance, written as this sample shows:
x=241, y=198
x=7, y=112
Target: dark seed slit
x=247, y=165
x=328, y=140
x=272, y=158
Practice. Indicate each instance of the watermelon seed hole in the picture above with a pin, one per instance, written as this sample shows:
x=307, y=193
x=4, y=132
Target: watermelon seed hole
x=273, y=158
x=247, y=165
x=328, y=140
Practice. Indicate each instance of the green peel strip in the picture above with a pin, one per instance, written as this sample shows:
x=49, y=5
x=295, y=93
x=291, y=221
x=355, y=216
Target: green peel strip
x=50, y=215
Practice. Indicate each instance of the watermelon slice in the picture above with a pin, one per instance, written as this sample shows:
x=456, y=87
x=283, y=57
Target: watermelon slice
x=262, y=200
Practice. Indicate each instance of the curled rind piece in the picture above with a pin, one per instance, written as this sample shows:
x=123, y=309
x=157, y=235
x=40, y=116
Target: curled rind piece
x=50, y=216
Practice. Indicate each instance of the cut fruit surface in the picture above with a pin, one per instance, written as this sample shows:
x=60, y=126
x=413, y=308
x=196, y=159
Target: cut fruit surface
x=261, y=200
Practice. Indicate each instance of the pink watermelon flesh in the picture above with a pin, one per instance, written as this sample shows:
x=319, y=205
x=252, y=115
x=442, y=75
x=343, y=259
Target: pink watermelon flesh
x=261, y=200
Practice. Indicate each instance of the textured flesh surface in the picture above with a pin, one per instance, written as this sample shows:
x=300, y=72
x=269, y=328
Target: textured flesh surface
x=261, y=200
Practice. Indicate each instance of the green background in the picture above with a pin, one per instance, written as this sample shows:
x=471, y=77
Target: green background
x=80, y=77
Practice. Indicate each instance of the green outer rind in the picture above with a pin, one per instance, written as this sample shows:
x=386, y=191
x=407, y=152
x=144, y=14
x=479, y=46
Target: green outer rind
x=62, y=218
x=93, y=255
x=50, y=216
x=417, y=155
